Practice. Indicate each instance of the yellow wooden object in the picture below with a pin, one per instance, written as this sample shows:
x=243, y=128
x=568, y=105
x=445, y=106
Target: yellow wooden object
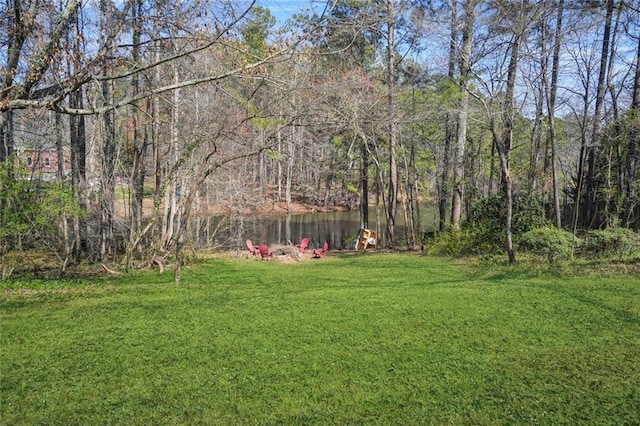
x=366, y=238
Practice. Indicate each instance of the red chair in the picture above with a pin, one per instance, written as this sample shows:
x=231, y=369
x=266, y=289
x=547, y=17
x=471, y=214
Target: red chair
x=321, y=252
x=253, y=251
x=304, y=243
x=265, y=254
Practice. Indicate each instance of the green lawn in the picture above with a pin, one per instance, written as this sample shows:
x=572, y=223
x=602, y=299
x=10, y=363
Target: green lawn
x=359, y=339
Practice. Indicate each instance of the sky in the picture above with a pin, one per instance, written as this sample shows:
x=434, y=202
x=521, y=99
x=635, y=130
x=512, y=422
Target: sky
x=283, y=9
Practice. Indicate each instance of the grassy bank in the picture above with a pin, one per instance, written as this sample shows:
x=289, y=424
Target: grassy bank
x=360, y=339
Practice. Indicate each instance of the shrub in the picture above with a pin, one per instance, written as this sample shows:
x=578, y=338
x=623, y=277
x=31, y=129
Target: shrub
x=617, y=242
x=490, y=213
x=550, y=242
x=468, y=241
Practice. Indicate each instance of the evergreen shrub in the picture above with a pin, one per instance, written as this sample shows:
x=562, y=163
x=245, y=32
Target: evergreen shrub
x=611, y=242
x=484, y=231
x=468, y=241
x=550, y=242
x=491, y=213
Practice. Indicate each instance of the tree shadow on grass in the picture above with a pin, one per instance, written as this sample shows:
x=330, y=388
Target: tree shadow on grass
x=575, y=294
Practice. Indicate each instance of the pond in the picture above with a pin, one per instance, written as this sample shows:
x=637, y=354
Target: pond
x=339, y=229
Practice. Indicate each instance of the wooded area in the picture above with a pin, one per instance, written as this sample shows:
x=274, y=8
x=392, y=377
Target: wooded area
x=387, y=102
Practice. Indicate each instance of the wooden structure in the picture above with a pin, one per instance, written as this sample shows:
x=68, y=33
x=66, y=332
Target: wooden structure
x=366, y=238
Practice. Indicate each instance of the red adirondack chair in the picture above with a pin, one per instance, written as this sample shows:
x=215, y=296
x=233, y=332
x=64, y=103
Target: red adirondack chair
x=253, y=251
x=304, y=243
x=265, y=254
x=321, y=252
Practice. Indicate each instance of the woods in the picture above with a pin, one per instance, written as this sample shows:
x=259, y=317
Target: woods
x=124, y=122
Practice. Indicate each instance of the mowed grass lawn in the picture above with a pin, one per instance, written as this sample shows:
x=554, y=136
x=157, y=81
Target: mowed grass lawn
x=350, y=339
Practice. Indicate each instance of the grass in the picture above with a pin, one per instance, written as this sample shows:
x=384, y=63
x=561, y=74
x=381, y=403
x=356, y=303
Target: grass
x=360, y=339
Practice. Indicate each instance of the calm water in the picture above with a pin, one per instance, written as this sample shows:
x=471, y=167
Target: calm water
x=340, y=229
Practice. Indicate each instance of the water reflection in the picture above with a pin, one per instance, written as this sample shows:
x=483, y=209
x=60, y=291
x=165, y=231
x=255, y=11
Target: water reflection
x=339, y=229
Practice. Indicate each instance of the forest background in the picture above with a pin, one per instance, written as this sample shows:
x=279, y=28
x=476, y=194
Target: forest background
x=123, y=122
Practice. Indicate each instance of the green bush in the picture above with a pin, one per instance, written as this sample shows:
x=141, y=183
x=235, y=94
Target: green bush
x=489, y=214
x=550, y=242
x=469, y=241
x=484, y=231
x=30, y=213
x=615, y=242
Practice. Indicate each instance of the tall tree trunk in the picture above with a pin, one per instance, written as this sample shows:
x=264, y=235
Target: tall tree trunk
x=633, y=156
x=64, y=220
x=78, y=147
x=107, y=180
x=156, y=228
x=537, y=131
x=551, y=92
x=6, y=135
x=172, y=197
x=611, y=207
x=504, y=144
x=463, y=114
x=492, y=157
x=138, y=141
x=409, y=201
x=392, y=199
x=296, y=133
x=591, y=195
x=279, y=167
x=78, y=141
x=364, y=183
x=536, y=141
x=443, y=189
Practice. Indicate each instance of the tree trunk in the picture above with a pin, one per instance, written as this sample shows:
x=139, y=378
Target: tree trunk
x=107, y=180
x=633, y=157
x=291, y=145
x=279, y=166
x=364, y=184
x=492, y=158
x=611, y=208
x=443, y=187
x=138, y=141
x=6, y=135
x=409, y=200
x=551, y=105
x=392, y=199
x=155, y=136
x=536, y=143
x=64, y=220
x=78, y=170
x=591, y=195
x=181, y=232
x=463, y=114
x=536, y=133
x=172, y=197
x=504, y=145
